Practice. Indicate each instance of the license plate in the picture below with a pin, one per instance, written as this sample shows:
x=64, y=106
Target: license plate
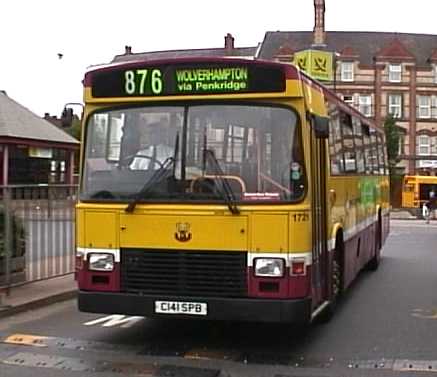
x=179, y=307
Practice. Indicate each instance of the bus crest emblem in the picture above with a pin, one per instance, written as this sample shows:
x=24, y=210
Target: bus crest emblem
x=183, y=233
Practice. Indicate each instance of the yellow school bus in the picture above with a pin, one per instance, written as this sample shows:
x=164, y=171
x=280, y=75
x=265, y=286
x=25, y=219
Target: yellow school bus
x=416, y=190
x=224, y=189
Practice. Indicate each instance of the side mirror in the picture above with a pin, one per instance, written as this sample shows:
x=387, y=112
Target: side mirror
x=320, y=125
x=67, y=117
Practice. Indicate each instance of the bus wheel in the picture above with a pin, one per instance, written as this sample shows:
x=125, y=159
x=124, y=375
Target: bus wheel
x=336, y=278
x=336, y=281
x=337, y=271
x=373, y=264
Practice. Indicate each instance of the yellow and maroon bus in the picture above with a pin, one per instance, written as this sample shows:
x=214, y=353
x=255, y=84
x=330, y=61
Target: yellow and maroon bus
x=224, y=189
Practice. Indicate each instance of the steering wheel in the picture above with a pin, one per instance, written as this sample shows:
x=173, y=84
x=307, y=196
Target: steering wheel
x=152, y=160
x=102, y=194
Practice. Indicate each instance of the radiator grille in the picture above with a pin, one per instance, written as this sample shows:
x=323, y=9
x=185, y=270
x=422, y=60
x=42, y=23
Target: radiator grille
x=188, y=273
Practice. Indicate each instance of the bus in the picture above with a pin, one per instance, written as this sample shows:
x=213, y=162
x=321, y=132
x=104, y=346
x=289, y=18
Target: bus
x=416, y=191
x=224, y=189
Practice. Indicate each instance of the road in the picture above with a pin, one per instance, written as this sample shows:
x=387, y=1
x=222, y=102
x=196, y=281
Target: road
x=384, y=326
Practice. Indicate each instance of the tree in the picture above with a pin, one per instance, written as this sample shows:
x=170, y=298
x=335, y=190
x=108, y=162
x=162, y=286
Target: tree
x=392, y=137
x=75, y=129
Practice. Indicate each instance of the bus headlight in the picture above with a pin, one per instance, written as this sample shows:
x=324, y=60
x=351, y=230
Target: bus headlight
x=101, y=262
x=269, y=267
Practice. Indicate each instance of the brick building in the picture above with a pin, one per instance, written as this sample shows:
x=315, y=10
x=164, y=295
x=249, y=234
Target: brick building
x=379, y=73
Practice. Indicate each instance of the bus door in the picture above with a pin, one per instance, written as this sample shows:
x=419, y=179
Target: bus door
x=319, y=219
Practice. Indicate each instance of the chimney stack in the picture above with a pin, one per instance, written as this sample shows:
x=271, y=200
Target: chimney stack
x=229, y=42
x=319, y=23
x=127, y=50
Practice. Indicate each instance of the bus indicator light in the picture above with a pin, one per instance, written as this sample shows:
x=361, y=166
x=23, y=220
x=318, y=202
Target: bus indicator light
x=298, y=267
x=79, y=260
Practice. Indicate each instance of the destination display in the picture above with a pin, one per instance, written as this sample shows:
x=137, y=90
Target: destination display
x=187, y=79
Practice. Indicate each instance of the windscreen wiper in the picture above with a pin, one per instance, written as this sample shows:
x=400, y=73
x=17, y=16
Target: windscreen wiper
x=161, y=173
x=224, y=188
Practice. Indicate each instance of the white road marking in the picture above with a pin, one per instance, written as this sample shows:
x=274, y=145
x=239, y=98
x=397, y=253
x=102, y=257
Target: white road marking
x=115, y=320
x=425, y=313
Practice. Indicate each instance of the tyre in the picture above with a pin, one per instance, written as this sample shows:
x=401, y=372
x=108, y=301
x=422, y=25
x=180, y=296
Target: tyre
x=373, y=264
x=336, y=281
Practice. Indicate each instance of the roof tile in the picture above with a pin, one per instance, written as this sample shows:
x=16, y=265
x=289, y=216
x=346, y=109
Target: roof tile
x=365, y=44
x=19, y=122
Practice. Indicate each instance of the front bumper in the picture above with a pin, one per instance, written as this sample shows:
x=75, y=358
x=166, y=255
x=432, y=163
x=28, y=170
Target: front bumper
x=233, y=309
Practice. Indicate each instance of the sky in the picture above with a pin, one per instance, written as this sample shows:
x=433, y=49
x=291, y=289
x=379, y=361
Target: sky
x=89, y=32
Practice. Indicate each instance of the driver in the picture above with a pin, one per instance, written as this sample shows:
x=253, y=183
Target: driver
x=157, y=151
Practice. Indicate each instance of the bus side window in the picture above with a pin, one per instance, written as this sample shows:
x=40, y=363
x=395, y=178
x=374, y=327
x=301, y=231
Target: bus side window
x=381, y=154
x=366, y=141
x=335, y=146
x=350, y=162
x=374, y=153
x=359, y=150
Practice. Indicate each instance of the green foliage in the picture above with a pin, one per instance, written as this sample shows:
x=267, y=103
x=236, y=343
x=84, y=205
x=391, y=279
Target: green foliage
x=17, y=233
x=392, y=136
x=75, y=129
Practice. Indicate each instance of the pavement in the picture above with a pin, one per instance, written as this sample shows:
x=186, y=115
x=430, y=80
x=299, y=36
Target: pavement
x=400, y=214
x=36, y=294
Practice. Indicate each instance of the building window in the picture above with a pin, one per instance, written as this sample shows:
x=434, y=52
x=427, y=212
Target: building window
x=349, y=100
x=401, y=150
x=424, y=106
x=347, y=71
x=365, y=104
x=394, y=73
x=433, y=107
x=395, y=105
x=434, y=145
x=423, y=145
x=434, y=73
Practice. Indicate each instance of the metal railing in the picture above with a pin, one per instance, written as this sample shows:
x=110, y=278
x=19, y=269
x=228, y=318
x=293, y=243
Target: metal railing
x=36, y=232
